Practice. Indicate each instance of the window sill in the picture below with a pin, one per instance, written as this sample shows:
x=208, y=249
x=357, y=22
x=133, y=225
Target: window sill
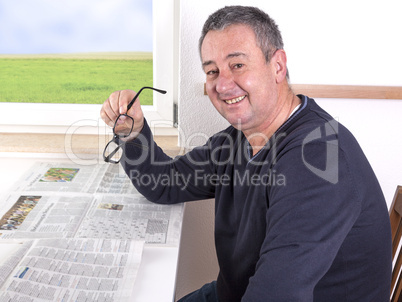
x=76, y=144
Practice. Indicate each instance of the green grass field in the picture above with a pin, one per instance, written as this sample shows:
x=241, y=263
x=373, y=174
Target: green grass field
x=73, y=78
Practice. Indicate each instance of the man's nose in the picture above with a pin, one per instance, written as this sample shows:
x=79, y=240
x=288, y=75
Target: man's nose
x=225, y=82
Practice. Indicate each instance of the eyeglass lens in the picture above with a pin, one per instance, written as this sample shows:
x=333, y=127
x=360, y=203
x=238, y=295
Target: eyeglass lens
x=112, y=152
x=123, y=126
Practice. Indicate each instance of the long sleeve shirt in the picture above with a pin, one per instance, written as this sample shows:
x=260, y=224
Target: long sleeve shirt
x=302, y=220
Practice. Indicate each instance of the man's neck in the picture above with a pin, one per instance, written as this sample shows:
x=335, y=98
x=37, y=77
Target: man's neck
x=257, y=142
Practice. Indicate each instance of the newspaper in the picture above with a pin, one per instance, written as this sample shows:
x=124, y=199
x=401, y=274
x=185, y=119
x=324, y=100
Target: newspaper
x=61, y=177
x=82, y=230
x=59, y=200
x=132, y=217
x=73, y=270
x=42, y=216
x=115, y=181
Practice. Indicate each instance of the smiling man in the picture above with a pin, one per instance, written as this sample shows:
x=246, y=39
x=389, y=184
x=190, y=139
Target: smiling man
x=319, y=234
x=249, y=92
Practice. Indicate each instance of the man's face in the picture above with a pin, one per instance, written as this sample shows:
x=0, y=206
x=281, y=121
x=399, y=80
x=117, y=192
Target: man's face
x=239, y=81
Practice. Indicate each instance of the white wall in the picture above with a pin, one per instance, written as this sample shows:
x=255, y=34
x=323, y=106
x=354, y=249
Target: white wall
x=342, y=42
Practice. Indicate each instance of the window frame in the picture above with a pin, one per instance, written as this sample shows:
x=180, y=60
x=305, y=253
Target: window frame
x=60, y=118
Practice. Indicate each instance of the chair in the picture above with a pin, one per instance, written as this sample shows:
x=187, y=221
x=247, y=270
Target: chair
x=395, y=215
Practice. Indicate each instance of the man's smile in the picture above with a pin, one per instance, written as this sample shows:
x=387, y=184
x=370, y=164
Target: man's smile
x=235, y=100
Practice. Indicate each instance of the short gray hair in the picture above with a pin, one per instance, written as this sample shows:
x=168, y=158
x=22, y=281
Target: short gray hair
x=266, y=31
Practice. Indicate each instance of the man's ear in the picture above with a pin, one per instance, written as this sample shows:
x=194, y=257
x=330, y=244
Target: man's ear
x=279, y=60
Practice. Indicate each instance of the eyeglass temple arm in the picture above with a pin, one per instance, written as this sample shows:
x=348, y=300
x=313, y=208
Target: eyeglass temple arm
x=138, y=93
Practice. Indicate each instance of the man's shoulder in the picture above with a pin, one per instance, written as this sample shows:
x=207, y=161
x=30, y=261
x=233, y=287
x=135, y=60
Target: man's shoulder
x=312, y=124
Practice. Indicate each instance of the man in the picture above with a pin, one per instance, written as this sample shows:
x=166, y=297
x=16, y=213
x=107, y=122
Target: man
x=299, y=214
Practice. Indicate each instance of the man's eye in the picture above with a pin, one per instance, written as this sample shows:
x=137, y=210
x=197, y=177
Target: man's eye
x=239, y=65
x=212, y=72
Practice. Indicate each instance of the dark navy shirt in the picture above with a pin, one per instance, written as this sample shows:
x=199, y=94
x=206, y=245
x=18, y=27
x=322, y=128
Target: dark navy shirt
x=302, y=220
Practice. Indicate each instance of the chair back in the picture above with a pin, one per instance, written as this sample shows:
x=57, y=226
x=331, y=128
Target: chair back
x=395, y=215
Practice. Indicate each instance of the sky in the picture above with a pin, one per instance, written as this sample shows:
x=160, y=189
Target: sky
x=60, y=26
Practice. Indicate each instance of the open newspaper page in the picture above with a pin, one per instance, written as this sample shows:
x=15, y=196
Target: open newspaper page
x=63, y=200
x=132, y=217
x=87, y=226
x=61, y=177
x=74, y=270
x=42, y=216
x=116, y=181
x=9, y=263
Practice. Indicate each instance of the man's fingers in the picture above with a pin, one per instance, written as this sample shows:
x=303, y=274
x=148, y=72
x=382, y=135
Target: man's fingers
x=117, y=104
x=126, y=97
x=107, y=114
x=111, y=108
x=114, y=102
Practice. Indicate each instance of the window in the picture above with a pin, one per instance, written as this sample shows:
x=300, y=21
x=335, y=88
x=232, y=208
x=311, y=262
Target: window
x=58, y=118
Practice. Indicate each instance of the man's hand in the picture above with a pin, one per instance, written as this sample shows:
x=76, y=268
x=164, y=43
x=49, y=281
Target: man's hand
x=116, y=104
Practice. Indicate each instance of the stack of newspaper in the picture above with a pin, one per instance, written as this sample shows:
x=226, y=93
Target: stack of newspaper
x=80, y=232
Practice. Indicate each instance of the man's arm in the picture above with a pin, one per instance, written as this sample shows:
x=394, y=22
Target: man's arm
x=157, y=176
x=308, y=220
x=162, y=179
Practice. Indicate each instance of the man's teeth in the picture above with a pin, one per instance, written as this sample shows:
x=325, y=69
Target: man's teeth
x=236, y=100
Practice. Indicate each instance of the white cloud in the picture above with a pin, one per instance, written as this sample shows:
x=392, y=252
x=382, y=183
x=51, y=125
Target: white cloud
x=51, y=26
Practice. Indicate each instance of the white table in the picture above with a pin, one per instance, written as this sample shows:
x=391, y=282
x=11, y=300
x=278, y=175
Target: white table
x=157, y=274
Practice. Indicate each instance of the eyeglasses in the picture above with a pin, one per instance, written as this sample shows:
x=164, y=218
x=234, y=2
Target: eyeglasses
x=123, y=126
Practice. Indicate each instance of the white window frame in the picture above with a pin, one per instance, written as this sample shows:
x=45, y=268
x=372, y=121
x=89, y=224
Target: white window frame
x=84, y=118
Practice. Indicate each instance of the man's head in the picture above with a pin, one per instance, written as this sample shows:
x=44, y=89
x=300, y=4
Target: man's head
x=266, y=31
x=245, y=69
